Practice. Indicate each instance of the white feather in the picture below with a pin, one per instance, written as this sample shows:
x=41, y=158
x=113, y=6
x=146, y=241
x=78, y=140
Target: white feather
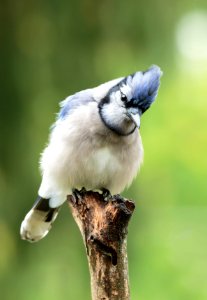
x=83, y=153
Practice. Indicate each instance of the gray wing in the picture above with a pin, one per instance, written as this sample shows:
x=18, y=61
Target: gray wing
x=73, y=102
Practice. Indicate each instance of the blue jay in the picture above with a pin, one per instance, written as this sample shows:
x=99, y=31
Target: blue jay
x=95, y=143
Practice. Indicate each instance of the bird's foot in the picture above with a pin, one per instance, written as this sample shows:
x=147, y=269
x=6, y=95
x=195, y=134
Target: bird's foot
x=106, y=194
x=77, y=195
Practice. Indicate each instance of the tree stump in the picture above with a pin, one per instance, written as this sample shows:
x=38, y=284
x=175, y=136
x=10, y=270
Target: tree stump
x=103, y=225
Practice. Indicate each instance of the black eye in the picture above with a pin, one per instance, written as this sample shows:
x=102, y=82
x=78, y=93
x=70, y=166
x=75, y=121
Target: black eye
x=123, y=97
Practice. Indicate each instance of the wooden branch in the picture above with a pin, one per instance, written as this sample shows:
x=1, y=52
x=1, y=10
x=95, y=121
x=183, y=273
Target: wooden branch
x=103, y=225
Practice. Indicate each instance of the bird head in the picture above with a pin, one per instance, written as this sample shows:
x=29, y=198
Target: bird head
x=125, y=102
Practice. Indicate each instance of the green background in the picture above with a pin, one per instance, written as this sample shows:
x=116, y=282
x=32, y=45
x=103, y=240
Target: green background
x=51, y=49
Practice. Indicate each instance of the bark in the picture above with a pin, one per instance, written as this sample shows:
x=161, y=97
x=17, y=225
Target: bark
x=103, y=225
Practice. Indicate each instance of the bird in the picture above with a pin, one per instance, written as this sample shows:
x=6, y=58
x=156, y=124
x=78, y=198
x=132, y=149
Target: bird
x=94, y=143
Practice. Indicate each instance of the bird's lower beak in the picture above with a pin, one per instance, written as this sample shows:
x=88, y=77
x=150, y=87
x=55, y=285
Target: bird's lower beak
x=135, y=118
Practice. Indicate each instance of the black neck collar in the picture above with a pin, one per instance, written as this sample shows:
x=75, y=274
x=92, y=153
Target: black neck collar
x=115, y=129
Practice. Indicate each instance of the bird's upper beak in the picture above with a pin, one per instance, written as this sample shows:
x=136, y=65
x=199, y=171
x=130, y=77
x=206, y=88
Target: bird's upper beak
x=134, y=115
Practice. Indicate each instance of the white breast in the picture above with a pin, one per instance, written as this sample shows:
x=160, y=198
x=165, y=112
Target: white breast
x=104, y=160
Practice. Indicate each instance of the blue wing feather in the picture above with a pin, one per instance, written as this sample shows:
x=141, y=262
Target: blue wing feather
x=74, y=101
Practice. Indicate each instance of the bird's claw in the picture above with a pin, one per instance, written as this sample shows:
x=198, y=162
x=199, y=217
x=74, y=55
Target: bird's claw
x=77, y=195
x=106, y=194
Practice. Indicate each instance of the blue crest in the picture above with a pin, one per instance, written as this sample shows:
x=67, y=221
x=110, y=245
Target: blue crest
x=144, y=87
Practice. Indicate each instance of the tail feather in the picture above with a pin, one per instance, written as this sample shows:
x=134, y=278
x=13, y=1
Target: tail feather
x=38, y=220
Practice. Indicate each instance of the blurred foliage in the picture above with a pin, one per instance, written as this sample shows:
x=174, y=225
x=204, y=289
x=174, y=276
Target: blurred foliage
x=50, y=49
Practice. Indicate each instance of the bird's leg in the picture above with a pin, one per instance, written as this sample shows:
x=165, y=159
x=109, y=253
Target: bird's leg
x=106, y=194
x=77, y=194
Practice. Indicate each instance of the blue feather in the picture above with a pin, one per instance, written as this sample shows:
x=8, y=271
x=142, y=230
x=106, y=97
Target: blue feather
x=73, y=102
x=144, y=87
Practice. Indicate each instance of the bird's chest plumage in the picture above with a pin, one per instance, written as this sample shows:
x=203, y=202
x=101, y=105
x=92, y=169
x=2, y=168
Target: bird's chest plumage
x=103, y=160
x=112, y=166
x=91, y=155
